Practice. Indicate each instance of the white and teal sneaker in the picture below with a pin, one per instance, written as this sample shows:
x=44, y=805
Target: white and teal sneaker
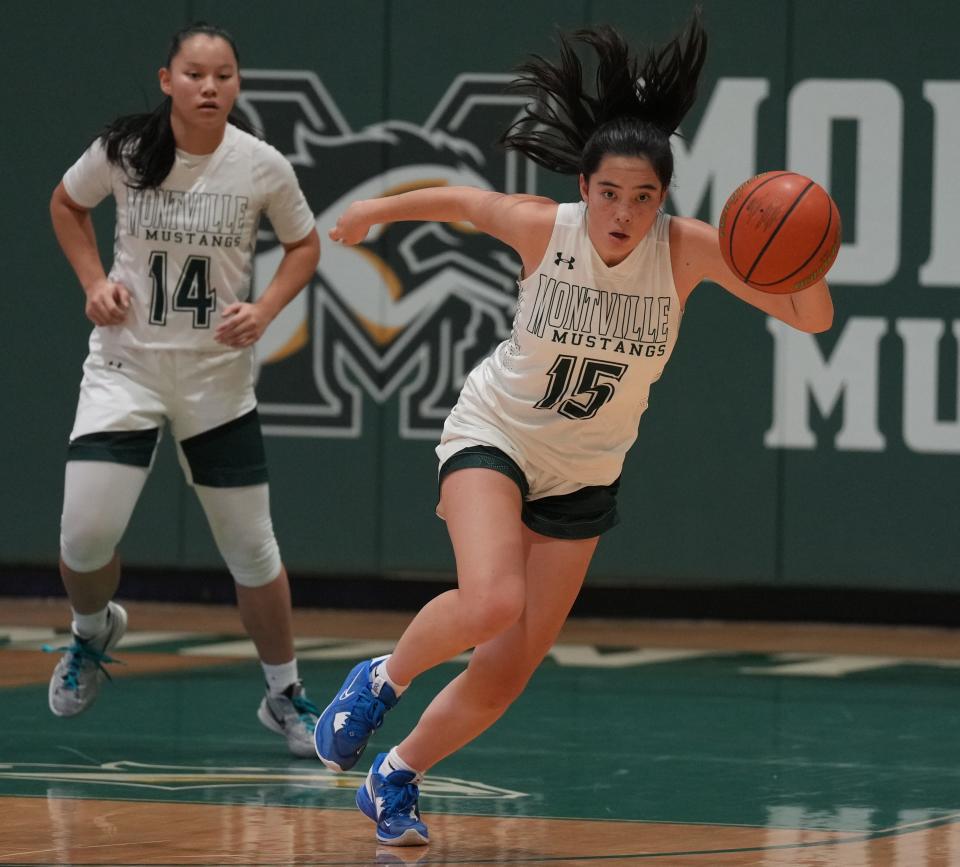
x=76, y=679
x=392, y=801
x=292, y=715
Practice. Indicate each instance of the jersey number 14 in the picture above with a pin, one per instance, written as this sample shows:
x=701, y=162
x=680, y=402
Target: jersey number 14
x=192, y=295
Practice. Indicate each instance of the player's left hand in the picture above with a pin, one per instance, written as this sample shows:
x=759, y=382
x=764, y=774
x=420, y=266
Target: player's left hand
x=242, y=325
x=352, y=225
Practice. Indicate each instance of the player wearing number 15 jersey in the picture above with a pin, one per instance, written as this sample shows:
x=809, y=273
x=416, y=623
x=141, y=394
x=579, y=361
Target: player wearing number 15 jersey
x=531, y=454
x=173, y=344
x=564, y=395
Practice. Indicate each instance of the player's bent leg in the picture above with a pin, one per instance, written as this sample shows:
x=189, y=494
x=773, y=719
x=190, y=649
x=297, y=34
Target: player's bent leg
x=469, y=705
x=499, y=669
x=99, y=497
x=482, y=511
x=489, y=598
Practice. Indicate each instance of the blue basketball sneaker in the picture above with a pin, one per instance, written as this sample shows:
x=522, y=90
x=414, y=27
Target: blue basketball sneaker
x=391, y=802
x=354, y=714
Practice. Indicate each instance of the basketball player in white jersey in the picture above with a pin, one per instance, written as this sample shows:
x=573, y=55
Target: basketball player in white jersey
x=530, y=456
x=173, y=344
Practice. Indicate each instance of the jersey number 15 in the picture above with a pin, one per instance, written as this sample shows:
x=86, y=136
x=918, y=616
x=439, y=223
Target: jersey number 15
x=588, y=394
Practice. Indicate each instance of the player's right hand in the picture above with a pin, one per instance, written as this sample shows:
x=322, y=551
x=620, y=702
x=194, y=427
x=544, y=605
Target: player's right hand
x=352, y=226
x=107, y=302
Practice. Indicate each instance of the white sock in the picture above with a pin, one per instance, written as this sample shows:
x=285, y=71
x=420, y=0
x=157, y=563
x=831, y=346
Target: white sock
x=380, y=677
x=89, y=625
x=393, y=762
x=279, y=677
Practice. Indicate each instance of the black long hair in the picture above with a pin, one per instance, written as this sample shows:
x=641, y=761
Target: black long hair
x=637, y=105
x=143, y=144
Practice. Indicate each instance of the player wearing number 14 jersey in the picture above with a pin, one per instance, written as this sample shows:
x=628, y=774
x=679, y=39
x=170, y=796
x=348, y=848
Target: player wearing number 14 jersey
x=530, y=456
x=184, y=249
x=173, y=344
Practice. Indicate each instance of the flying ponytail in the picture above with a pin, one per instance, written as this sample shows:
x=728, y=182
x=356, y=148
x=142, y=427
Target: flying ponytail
x=633, y=109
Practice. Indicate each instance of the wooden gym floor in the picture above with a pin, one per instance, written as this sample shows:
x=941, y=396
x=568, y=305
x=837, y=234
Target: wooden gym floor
x=680, y=743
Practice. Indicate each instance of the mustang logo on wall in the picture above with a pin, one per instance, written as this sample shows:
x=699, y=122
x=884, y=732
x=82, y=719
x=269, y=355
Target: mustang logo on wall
x=413, y=308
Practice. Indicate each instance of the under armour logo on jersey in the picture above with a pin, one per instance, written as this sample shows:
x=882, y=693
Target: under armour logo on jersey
x=569, y=262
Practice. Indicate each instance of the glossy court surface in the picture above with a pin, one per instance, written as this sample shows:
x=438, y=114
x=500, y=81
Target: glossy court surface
x=636, y=742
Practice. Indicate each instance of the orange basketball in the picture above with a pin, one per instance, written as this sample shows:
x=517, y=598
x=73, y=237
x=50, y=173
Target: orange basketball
x=779, y=232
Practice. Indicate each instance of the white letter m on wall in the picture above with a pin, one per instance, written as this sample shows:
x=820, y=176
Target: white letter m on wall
x=801, y=371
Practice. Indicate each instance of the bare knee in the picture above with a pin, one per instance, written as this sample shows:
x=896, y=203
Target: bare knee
x=492, y=613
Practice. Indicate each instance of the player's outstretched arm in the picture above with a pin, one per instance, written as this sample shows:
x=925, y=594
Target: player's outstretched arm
x=522, y=222
x=695, y=252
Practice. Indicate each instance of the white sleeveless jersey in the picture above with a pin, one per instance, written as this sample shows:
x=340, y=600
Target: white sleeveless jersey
x=564, y=395
x=185, y=249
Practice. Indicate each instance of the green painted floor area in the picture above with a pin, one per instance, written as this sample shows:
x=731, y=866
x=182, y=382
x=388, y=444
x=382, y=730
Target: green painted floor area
x=719, y=738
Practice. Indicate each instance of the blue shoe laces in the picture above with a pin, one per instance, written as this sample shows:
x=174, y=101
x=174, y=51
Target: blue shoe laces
x=399, y=800
x=365, y=715
x=79, y=651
